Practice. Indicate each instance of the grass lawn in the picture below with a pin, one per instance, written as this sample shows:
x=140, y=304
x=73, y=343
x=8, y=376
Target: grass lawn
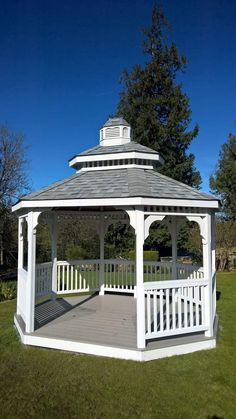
x=41, y=383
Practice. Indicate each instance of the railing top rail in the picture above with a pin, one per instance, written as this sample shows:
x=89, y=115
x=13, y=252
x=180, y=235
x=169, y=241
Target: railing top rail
x=68, y=262
x=149, y=286
x=188, y=265
x=120, y=261
x=157, y=263
x=78, y=262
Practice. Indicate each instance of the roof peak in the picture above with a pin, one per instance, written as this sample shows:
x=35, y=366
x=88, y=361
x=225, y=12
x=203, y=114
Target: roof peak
x=116, y=121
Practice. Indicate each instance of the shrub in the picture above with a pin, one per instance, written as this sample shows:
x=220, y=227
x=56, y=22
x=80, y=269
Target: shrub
x=74, y=251
x=8, y=290
x=148, y=255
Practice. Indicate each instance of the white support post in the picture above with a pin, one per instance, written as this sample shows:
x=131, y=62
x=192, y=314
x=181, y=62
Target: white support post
x=20, y=256
x=213, y=261
x=207, y=266
x=101, y=268
x=174, y=246
x=32, y=220
x=54, y=236
x=140, y=300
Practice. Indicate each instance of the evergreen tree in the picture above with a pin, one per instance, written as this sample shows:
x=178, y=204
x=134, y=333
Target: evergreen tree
x=223, y=181
x=156, y=107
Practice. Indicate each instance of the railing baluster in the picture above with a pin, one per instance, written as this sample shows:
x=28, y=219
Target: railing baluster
x=67, y=277
x=197, y=305
x=148, y=313
x=179, y=309
x=161, y=310
x=185, y=308
x=121, y=275
x=72, y=278
x=63, y=278
x=173, y=309
x=155, y=311
x=167, y=309
x=76, y=278
x=191, y=305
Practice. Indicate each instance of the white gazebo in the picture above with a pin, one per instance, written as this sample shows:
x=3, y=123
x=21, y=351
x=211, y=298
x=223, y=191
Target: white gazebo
x=119, y=308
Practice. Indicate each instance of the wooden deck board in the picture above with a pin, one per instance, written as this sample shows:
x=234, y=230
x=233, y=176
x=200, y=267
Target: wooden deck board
x=106, y=320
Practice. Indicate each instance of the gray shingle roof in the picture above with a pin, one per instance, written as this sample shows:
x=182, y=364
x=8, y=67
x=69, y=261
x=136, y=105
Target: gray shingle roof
x=118, y=183
x=124, y=148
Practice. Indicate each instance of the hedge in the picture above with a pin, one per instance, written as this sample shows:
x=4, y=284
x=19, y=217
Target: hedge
x=148, y=255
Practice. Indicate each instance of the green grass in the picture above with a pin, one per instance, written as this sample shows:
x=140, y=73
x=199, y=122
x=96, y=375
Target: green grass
x=40, y=383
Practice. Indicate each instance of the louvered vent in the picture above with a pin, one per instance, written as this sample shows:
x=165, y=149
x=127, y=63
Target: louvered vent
x=113, y=132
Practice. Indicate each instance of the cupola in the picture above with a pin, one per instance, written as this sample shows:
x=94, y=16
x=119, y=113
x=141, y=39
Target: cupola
x=116, y=150
x=116, y=131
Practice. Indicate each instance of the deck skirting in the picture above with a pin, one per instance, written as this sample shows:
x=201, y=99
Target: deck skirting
x=111, y=351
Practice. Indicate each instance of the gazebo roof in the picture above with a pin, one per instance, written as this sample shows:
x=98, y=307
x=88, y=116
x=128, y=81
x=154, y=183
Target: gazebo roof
x=118, y=183
x=123, y=148
x=118, y=169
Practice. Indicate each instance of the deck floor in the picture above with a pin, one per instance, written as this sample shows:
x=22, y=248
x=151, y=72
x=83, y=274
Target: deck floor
x=108, y=320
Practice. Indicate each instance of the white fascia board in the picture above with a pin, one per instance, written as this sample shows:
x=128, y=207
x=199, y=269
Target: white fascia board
x=116, y=202
x=116, y=156
x=120, y=166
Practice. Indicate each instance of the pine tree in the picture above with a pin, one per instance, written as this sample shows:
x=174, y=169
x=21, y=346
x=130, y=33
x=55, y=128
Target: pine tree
x=155, y=105
x=223, y=181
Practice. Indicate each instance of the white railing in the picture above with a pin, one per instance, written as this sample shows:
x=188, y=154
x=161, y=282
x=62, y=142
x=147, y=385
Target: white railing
x=186, y=271
x=21, y=292
x=76, y=276
x=175, y=307
x=157, y=271
x=43, y=282
x=162, y=271
x=119, y=275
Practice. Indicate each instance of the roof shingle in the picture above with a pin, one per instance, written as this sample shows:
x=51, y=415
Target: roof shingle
x=117, y=183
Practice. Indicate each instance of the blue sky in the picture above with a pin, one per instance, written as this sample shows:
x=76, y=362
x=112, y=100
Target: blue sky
x=61, y=63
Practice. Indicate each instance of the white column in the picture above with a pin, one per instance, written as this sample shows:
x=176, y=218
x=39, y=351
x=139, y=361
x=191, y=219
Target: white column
x=30, y=286
x=20, y=258
x=101, y=267
x=140, y=300
x=174, y=246
x=207, y=266
x=213, y=261
x=54, y=236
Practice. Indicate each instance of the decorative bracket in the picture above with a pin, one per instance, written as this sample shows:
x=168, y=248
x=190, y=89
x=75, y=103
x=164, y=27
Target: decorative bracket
x=132, y=218
x=148, y=222
x=33, y=222
x=202, y=222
